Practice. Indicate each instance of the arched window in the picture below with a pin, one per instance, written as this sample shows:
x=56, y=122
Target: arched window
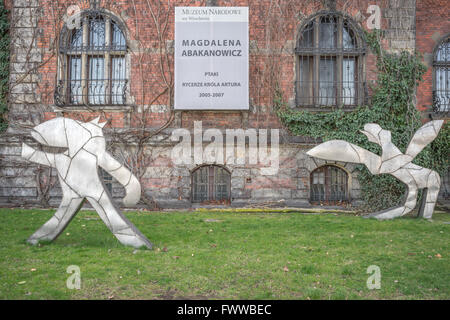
x=441, y=67
x=92, y=68
x=330, y=54
x=329, y=185
x=211, y=184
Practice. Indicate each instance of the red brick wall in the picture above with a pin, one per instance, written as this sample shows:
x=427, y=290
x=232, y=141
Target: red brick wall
x=432, y=25
x=278, y=23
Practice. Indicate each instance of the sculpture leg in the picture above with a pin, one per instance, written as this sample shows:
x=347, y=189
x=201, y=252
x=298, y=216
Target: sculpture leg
x=389, y=213
x=430, y=196
x=410, y=203
x=120, y=226
x=53, y=227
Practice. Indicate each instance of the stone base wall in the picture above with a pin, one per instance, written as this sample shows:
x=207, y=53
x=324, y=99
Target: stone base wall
x=170, y=185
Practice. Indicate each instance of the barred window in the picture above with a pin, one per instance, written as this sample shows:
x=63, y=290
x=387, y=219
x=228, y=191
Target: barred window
x=211, y=184
x=107, y=179
x=330, y=55
x=445, y=189
x=441, y=67
x=329, y=185
x=92, y=62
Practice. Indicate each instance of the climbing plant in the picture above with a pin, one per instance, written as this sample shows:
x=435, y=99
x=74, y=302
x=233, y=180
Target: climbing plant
x=392, y=107
x=4, y=64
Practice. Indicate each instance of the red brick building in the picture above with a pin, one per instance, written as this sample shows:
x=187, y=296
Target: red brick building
x=117, y=63
x=432, y=40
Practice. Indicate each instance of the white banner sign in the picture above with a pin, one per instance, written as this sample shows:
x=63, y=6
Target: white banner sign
x=211, y=58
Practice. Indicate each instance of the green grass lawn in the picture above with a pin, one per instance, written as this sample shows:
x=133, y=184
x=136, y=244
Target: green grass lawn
x=228, y=255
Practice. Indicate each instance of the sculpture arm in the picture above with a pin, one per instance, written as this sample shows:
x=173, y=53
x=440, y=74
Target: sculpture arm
x=339, y=150
x=123, y=176
x=425, y=135
x=37, y=156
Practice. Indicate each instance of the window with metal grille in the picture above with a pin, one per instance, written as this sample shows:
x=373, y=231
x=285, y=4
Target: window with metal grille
x=329, y=185
x=445, y=188
x=211, y=184
x=441, y=69
x=330, y=66
x=106, y=178
x=92, y=68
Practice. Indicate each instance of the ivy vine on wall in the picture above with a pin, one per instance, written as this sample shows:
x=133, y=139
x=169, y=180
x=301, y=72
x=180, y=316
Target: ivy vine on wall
x=4, y=64
x=392, y=107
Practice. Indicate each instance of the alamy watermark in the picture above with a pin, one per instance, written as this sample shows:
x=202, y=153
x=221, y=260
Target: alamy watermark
x=374, y=20
x=74, y=280
x=72, y=18
x=374, y=280
x=231, y=150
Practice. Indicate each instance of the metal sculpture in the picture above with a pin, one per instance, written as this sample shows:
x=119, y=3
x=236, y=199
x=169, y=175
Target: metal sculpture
x=394, y=162
x=77, y=169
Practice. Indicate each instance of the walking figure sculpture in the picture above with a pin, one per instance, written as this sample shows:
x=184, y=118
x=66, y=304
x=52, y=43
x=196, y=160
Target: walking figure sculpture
x=394, y=162
x=78, y=175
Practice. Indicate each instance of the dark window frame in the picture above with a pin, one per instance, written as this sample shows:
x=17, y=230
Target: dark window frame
x=211, y=183
x=312, y=52
x=105, y=86
x=441, y=64
x=445, y=190
x=107, y=179
x=326, y=195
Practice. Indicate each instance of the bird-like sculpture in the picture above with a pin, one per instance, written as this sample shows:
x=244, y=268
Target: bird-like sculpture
x=394, y=162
